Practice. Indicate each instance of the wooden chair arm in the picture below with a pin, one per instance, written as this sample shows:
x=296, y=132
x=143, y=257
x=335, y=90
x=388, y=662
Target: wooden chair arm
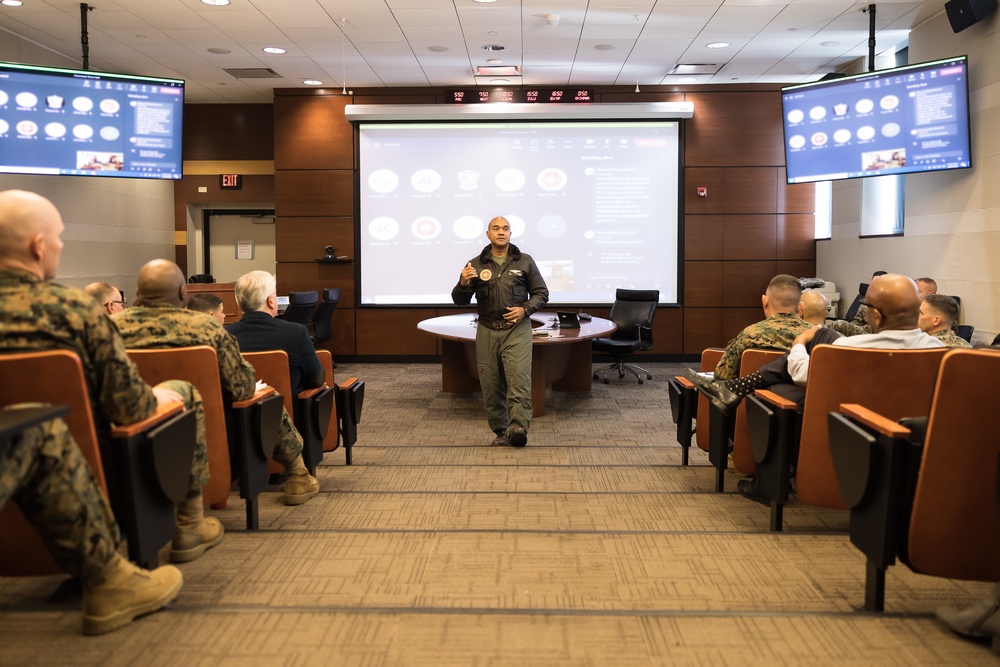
x=256, y=398
x=347, y=383
x=309, y=393
x=684, y=381
x=874, y=420
x=778, y=402
x=162, y=413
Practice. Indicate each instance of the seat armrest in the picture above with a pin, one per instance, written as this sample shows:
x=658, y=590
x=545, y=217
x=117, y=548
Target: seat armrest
x=684, y=382
x=162, y=413
x=258, y=396
x=778, y=402
x=309, y=393
x=874, y=420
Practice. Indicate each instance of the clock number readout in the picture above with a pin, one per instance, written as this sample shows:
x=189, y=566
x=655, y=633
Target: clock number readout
x=529, y=95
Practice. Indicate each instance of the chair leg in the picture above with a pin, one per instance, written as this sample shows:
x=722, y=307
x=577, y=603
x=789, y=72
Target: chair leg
x=874, y=587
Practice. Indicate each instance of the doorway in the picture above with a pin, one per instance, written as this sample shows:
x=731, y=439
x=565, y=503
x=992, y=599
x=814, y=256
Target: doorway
x=237, y=241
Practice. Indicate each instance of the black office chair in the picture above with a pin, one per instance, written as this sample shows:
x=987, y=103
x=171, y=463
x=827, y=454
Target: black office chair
x=965, y=332
x=300, y=307
x=633, y=312
x=856, y=304
x=201, y=278
x=322, y=317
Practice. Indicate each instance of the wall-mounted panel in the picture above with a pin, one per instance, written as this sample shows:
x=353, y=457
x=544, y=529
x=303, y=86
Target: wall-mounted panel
x=310, y=132
x=304, y=239
x=712, y=181
x=702, y=328
x=795, y=237
x=744, y=282
x=750, y=190
x=394, y=332
x=703, y=237
x=220, y=131
x=736, y=128
x=798, y=198
x=748, y=237
x=668, y=327
x=735, y=320
x=316, y=192
x=702, y=284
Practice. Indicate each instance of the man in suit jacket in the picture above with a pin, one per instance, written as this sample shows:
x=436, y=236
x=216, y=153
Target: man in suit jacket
x=260, y=330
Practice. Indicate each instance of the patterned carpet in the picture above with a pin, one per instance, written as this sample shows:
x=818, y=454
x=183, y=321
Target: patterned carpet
x=591, y=546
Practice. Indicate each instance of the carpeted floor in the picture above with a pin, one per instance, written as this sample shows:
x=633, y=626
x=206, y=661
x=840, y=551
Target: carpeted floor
x=591, y=546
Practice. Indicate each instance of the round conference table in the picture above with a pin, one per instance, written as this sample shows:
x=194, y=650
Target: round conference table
x=560, y=360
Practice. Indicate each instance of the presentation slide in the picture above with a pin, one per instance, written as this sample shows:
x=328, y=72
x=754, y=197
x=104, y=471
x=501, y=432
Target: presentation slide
x=595, y=203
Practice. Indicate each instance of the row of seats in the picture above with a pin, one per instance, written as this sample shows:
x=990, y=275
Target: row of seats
x=146, y=467
x=848, y=452
x=306, y=309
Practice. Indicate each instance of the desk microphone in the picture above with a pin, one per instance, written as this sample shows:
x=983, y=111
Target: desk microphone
x=584, y=317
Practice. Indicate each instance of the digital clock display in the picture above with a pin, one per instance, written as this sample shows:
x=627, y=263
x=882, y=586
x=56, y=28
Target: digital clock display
x=527, y=95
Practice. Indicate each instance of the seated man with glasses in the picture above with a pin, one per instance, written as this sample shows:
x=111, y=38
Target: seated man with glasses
x=110, y=297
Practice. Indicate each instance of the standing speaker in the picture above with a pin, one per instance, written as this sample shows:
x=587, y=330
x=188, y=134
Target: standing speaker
x=963, y=13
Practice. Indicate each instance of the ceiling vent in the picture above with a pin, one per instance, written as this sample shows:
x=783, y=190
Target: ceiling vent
x=695, y=69
x=253, y=73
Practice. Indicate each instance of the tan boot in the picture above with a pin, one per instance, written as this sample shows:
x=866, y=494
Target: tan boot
x=121, y=591
x=301, y=486
x=195, y=533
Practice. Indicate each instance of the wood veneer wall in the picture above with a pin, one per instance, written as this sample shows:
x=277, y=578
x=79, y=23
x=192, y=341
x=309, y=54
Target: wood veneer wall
x=749, y=227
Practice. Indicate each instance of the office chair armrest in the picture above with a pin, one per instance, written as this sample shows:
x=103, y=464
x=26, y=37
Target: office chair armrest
x=684, y=382
x=162, y=413
x=309, y=393
x=778, y=402
x=258, y=396
x=874, y=420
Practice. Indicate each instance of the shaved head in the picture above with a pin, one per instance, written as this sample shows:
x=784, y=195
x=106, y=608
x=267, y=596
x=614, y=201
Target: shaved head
x=30, y=229
x=896, y=301
x=161, y=281
x=813, y=306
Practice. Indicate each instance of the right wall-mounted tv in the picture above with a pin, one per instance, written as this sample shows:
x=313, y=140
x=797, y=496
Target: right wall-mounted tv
x=896, y=121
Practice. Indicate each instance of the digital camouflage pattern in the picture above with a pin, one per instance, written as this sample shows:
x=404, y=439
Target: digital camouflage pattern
x=44, y=472
x=160, y=325
x=951, y=339
x=775, y=333
x=40, y=315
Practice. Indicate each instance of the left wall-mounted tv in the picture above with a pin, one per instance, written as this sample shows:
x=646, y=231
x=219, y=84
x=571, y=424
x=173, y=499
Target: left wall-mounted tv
x=84, y=123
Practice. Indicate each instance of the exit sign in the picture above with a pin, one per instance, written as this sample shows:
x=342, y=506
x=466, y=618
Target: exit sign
x=231, y=181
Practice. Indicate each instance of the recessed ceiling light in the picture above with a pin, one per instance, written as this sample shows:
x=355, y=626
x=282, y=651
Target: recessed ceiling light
x=12, y=3
x=499, y=80
x=312, y=82
x=484, y=0
x=437, y=49
x=494, y=61
x=829, y=43
x=494, y=47
x=604, y=47
x=717, y=45
x=688, y=79
x=273, y=49
x=216, y=3
x=491, y=33
x=219, y=50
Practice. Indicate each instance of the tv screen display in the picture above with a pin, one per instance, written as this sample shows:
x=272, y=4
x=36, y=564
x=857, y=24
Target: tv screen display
x=595, y=203
x=85, y=123
x=897, y=121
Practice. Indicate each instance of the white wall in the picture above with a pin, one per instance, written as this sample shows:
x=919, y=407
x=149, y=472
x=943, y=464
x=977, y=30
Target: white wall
x=952, y=218
x=113, y=225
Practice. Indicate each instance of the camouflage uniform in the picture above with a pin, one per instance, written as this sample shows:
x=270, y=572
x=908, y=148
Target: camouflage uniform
x=775, y=333
x=861, y=321
x=39, y=315
x=951, y=339
x=46, y=475
x=160, y=325
x=845, y=328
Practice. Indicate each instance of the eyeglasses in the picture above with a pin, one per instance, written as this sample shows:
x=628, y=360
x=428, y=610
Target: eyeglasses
x=123, y=303
x=880, y=312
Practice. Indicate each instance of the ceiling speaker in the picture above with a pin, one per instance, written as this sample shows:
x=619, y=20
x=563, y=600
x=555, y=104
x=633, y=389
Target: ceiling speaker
x=963, y=13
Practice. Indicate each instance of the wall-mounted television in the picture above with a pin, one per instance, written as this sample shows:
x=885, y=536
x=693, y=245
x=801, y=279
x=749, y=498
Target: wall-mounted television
x=83, y=123
x=903, y=120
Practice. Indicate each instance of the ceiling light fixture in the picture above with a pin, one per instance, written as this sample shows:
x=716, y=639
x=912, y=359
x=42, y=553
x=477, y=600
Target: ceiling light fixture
x=273, y=49
x=829, y=43
x=604, y=47
x=551, y=19
x=215, y=3
x=437, y=49
x=484, y=1
x=493, y=47
x=12, y=3
x=494, y=61
x=219, y=50
x=717, y=45
x=312, y=82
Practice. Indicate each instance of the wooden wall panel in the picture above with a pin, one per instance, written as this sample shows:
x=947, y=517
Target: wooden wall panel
x=744, y=282
x=317, y=192
x=228, y=132
x=341, y=344
x=300, y=239
x=668, y=331
x=712, y=178
x=748, y=237
x=393, y=331
x=304, y=276
x=311, y=132
x=702, y=284
x=703, y=237
x=796, y=237
x=734, y=320
x=702, y=328
x=738, y=128
x=798, y=198
x=799, y=269
x=750, y=190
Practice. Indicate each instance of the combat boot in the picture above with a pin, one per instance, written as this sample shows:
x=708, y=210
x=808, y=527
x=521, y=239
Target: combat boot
x=301, y=486
x=121, y=591
x=194, y=533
